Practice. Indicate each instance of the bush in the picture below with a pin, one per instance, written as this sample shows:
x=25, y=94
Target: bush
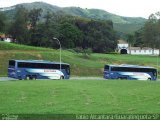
x=87, y=51
x=78, y=50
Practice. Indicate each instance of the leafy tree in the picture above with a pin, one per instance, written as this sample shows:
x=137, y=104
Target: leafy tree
x=18, y=29
x=51, y=29
x=158, y=31
x=138, y=35
x=70, y=35
x=98, y=35
x=73, y=32
x=2, y=22
x=34, y=17
x=149, y=35
x=86, y=52
x=151, y=31
x=130, y=39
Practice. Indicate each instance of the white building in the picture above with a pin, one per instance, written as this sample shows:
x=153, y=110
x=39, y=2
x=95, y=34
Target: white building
x=123, y=48
x=7, y=39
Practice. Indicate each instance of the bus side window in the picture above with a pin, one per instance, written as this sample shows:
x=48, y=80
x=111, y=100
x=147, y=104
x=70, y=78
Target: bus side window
x=106, y=67
x=154, y=73
x=68, y=71
x=11, y=63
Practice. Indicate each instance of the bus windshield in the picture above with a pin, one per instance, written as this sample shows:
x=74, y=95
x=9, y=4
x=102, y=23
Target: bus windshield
x=12, y=63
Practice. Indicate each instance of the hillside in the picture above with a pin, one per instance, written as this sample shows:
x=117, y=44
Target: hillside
x=45, y=99
x=80, y=64
x=103, y=15
x=121, y=23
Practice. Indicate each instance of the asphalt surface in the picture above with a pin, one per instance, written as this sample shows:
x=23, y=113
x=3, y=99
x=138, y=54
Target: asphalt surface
x=71, y=78
x=6, y=79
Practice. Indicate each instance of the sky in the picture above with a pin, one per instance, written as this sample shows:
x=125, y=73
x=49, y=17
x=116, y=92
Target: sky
x=128, y=8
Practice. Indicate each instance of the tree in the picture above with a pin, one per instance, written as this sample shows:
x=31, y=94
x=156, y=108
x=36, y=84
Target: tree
x=73, y=32
x=138, y=35
x=50, y=29
x=18, y=29
x=130, y=40
x=2, y=22
x=151, y=34
x=70, y=35
x=98, y=35
x=34, y=17
x=158, y=31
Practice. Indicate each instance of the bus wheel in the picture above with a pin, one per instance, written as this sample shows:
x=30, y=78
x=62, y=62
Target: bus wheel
x=149, y=78
x=62, y=77
x=34, y=78
x=19, y=78
x=28, y=78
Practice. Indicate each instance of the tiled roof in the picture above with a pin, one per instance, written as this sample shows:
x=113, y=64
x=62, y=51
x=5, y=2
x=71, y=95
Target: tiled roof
x=122, y=42
x=138, y=48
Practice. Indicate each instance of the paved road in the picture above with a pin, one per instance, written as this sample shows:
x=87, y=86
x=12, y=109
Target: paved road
x=87, y=78
x=6, y=79
x=72, y=78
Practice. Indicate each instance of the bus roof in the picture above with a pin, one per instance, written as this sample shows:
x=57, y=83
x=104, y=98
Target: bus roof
x=130, y=66
x=39, y=61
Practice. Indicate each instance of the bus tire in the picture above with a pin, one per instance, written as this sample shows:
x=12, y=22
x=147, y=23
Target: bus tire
x=27, y=78
x=62, y=77
x=119, y=78
x=19, y=78
x=34, y=77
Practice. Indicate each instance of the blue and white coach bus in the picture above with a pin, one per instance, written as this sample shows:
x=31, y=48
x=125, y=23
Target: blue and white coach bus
x=38, y=69
x=131, y=72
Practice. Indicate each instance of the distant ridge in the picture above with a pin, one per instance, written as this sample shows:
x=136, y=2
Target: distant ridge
x=121, y=23
x=7, y=8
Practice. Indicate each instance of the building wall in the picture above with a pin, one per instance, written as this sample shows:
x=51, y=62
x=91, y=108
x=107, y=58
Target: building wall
x=122, y=46
x=137, y=51
x=144, y=52
x=7, y=39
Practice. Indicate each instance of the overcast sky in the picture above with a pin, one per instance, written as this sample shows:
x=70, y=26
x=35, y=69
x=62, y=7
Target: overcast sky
x=130, y=8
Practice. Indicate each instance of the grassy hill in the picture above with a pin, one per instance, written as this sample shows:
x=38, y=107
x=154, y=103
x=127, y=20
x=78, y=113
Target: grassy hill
x=80, y=64
x=76, y=96
x=119, y=21
x=79, y=97
x=103, y=15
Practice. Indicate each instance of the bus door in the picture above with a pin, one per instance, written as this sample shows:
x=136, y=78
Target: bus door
x=106, y=71
x=67, y=71
x=12, y=68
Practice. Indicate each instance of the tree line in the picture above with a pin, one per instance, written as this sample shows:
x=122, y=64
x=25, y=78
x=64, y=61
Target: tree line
x=33, y=28
x=148, y=35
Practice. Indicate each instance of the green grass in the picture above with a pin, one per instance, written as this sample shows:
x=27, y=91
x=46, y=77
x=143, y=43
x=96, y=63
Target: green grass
x=77, y=97
x=80, y=65
x=13, y=46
